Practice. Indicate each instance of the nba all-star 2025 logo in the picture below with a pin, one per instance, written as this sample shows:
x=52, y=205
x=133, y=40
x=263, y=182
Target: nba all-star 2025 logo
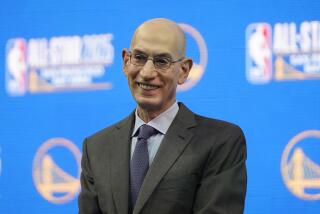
x=289, y=52
x=62, y=63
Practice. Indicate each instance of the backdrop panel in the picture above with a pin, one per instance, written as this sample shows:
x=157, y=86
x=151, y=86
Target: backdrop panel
x=257, y=64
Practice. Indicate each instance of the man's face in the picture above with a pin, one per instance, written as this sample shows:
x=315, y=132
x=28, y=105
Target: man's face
x=154, y=89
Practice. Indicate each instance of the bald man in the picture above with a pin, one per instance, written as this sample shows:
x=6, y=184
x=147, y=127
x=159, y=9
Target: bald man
x=162, y=158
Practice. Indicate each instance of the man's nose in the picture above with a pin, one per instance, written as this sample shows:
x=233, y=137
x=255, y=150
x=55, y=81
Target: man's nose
x=148, y=70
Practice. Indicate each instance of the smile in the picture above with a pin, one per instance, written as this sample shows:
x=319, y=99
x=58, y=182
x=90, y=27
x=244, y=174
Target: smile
x=147, y=86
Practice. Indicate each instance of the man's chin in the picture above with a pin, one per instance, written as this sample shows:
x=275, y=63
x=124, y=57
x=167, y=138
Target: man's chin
x=150, y=106
x=148, y=103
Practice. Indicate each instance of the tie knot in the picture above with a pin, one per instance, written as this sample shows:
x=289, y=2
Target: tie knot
x=146, y=131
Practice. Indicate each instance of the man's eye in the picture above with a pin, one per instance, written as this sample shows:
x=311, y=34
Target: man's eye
x=139, y=57
x=162, y=61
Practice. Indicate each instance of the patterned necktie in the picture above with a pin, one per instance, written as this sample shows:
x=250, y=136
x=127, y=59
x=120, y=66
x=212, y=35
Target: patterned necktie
x=140, y=161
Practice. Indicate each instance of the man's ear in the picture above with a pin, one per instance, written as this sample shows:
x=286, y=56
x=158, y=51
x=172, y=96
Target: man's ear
x=185, y=68
x=125, y=60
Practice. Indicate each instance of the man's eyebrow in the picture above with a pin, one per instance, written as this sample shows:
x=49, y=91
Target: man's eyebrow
x=139, y=51
x=167, y=55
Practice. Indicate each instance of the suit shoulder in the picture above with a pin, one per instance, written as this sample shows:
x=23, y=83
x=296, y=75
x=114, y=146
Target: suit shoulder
x=106, y=132
x=225, y=137
x=216, y=125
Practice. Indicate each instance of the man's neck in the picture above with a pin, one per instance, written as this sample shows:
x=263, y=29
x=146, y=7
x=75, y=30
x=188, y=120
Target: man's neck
x=148, y=114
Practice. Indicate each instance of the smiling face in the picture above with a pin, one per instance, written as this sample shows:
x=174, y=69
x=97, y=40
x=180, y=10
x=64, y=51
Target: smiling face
x=155, y=90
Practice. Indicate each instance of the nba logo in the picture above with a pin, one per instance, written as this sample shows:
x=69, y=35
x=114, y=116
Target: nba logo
x=258, y=53
x=16, y=67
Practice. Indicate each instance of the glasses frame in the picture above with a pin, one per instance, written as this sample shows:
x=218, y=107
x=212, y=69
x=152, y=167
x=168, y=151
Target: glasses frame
x=130, y=52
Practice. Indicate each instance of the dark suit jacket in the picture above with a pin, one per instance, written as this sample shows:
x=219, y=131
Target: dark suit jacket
x=199, y=168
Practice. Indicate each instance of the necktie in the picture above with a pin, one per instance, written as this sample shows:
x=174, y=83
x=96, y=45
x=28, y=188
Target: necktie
x=140, y=161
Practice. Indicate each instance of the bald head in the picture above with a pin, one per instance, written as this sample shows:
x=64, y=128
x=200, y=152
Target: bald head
x=160, y=31
x=153, y=83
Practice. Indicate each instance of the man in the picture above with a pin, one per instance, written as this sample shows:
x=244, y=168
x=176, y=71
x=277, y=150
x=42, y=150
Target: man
x=162, y=158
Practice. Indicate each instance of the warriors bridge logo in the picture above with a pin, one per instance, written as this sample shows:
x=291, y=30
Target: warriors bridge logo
x=294, y=53
x=199, y=65
x=55, y=183
x=300, y=165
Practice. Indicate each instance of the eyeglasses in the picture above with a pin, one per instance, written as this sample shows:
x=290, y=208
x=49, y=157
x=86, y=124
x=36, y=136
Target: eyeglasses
x=160, y=62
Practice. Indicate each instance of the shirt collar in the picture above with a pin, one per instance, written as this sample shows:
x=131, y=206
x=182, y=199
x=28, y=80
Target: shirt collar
x=161, y=122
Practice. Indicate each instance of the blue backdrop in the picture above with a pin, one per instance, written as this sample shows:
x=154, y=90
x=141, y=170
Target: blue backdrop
x=257, y=65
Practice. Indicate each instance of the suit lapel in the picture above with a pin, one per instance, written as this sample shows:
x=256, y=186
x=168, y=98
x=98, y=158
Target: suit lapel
x=120, y=164
x=174, y=143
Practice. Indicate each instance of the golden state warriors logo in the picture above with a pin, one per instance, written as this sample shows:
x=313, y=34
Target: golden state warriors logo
x=198, y=68
x=300, y=165
x=52, y=182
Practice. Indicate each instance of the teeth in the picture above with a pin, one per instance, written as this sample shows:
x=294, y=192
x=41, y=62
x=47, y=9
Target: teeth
x=147, y=87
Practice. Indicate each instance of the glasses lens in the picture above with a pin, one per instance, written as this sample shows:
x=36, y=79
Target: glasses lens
x=138, y=58
x=162, y=62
